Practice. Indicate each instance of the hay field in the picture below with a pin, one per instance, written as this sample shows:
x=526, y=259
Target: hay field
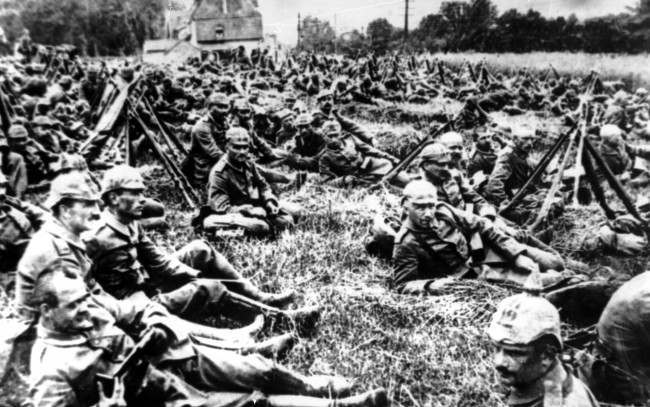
x=634, y=70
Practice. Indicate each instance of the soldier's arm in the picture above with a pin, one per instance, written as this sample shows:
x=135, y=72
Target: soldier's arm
x=483, y=207
x=504, y=244
x=370, y=151
x=218, y=197
x=206, y=142
x=353, y=128
x=51, y=389
x=157, y=262
x=405, y=264
x=265, y=189
x=495, y=189
x=642, y=151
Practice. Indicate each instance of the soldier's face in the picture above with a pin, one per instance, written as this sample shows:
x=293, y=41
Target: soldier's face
x=326, y=103
x=81, y=215
x=421, y=211
x=303, y=129
x=219, y=109
x=71, y=315
x=518, y=365
x=238, y=152
x=437, y=170
x=525, y=142
x=129, y=203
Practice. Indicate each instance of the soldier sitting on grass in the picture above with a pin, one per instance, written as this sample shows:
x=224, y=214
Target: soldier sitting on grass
x=437, y=240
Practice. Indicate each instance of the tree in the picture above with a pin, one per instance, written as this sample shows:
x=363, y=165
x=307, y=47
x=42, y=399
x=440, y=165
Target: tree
x=317, y=35
x=380, y=32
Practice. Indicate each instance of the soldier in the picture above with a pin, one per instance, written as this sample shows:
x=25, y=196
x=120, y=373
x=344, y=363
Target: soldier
x=78, y=341
x=308, y=145
x=483, y=157
x=126, y=262
x=240, y=196
x=345, y=160
x=437, y=166
x=454, y=143
x=525, y=331
x=618, y=370
x=18, y=221
x=437, y=240
x=13, y=168
x=36, y=158
x=208, y=139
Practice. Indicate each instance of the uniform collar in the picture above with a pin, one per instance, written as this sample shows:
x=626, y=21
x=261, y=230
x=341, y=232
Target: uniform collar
x=56, y=228
x=247, y=165
x=112, y=221
x=59, y=339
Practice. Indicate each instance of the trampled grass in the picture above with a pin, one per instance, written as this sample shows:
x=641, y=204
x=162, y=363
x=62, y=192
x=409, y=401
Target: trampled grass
x=427, y=351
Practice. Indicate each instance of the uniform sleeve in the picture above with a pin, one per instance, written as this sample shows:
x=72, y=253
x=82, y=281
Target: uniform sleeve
x=52, y=390
x=324, y=166
x=218, y=197
x=370, y=151
x=640, y=151
x=352, y=127
x=471, y=196
x=495, y=189
x=501, y=242
x=204, y=139
x=156, y=261
x=405, y=264
x=265, y=189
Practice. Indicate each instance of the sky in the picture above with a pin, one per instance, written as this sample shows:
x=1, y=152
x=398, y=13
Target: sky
x=281, y=16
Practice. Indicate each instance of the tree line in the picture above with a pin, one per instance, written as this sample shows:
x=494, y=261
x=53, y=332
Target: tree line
x=96, y=27
x=475, y=25
x=119, y=27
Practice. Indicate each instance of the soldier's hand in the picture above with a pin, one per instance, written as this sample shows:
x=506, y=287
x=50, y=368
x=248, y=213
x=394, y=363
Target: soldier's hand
x=415, y=287
x=158, y=341
x=630, y=244
x=273, y=208
x=112, y=400
x=525, y=263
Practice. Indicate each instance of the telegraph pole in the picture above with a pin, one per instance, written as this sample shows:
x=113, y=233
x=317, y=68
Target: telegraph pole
x=299, y=31
x=406, y=21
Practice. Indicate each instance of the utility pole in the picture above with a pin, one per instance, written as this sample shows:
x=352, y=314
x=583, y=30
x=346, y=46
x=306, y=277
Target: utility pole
x=406, y=21
x=299, y=32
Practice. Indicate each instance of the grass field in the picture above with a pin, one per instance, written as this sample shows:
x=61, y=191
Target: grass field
x=634, y=70
x=427, y=352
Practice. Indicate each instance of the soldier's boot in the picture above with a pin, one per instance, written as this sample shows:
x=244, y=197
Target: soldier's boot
x=328, y=386
x=273, y=348
x=241, y=308
x=372, y=398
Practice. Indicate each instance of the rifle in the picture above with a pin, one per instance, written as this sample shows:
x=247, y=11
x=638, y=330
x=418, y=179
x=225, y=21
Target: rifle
x=414, y=153
x=131, y=360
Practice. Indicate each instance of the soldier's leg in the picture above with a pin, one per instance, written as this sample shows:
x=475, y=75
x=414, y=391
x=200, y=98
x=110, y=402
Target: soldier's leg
x=17, y=175
x=201, y=256
x=236, y=220
x=228, y=371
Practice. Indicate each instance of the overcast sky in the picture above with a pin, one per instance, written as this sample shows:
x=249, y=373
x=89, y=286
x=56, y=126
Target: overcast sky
x=280, y=16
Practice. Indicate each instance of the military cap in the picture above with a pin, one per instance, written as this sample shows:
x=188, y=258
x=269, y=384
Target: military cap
x=435, y=152
x=419, y=191
x=17, y=131
x=324, y=94
x=242, y=104
x=523, y=318
x=451, y=138
x=283, y=114
x=303, y=119
x=621, y=97
x=94, y=69
x=121, y=177
x=126, y=71
x=641, y=92
x=217, y=98
x=331, y=127
x=67, y=162
x=42, y=121
x=76, y=186
x=238, y=135
x=65, y=80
